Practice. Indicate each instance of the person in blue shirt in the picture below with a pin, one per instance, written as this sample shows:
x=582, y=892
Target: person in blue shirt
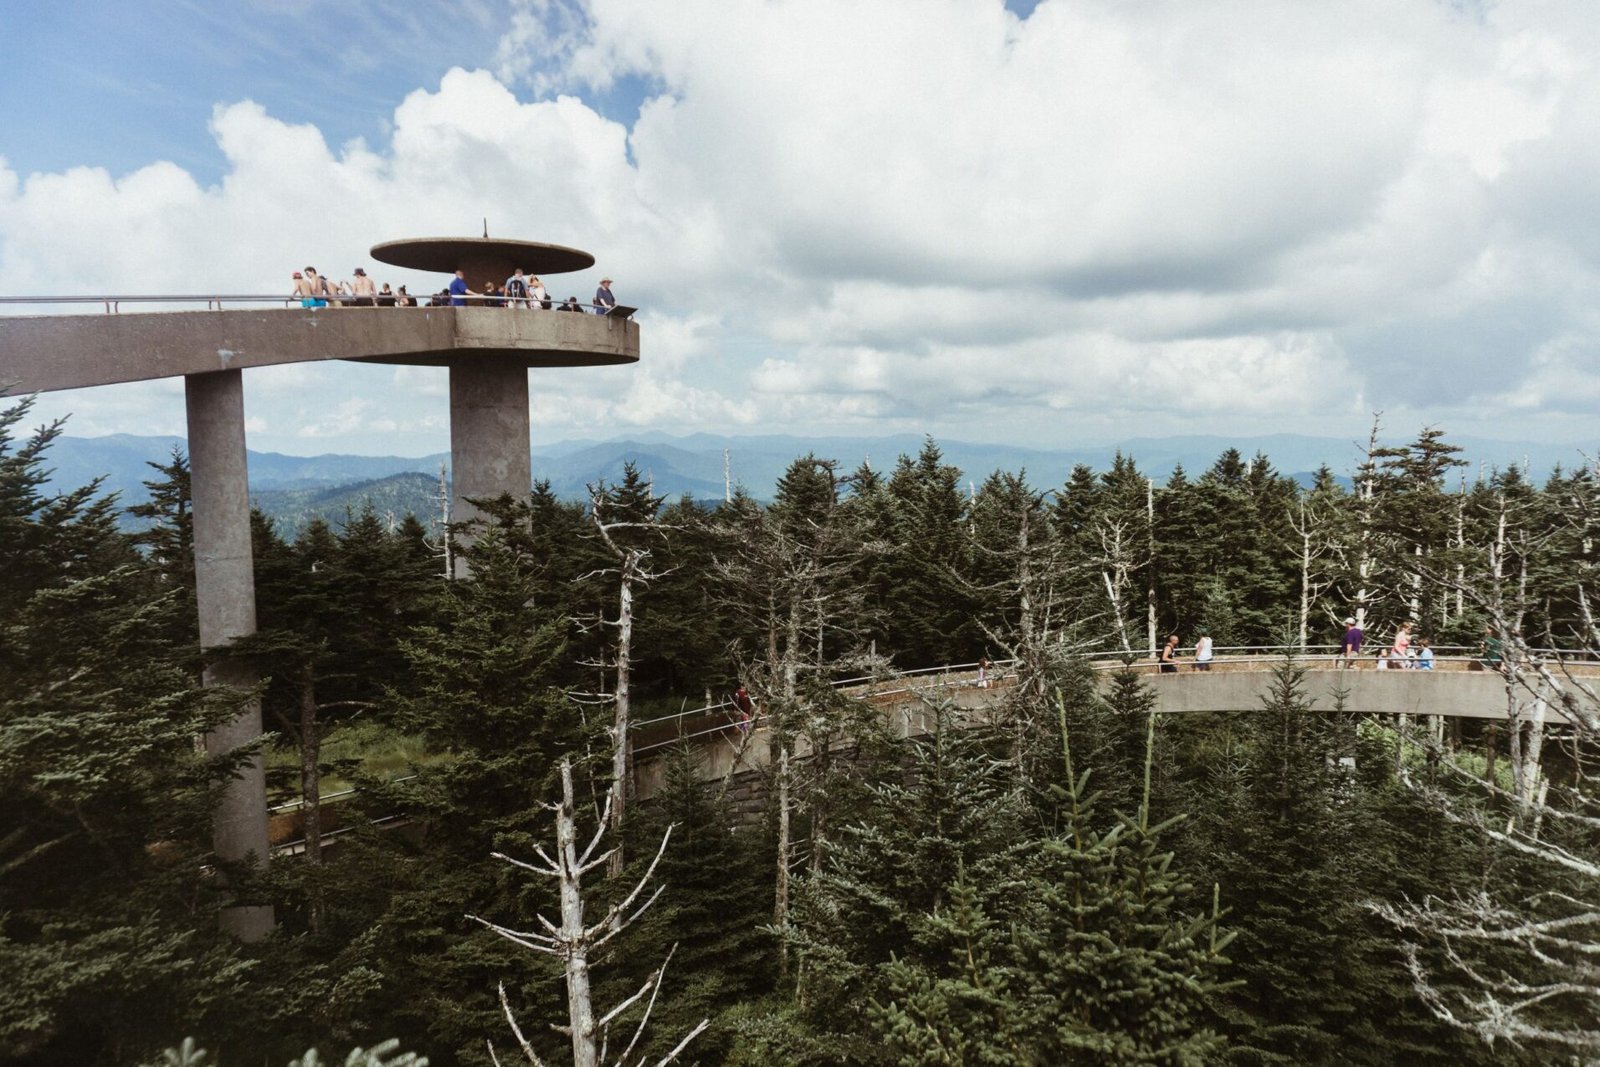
x=1424, y=655
x=459, y=291
x=603, y=300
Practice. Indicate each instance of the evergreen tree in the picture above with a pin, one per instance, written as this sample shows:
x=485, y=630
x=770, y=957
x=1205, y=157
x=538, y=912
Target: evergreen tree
x=169, y=541
x=928, y=617
x=714, y=909
x=963, y=935
x=1292, y=822
x=681, y=637
x=107, y=939
x=892, y=863
x=480, y=692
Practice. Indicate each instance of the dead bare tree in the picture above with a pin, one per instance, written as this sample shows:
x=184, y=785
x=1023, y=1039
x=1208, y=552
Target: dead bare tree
x=1121, y=555
x=1035, y=593
x=442, y=545
x=574, y=942
x=1310, y=520
x=626, y=540
x=1523, y=970
x=1033, y=596
x=1496, y=1003
x=785, y=570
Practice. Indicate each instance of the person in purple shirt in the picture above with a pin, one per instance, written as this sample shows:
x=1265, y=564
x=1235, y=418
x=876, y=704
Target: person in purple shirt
x=1351, y=648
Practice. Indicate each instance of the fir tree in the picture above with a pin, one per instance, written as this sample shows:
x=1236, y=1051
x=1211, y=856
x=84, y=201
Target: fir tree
x=169, y=541
x=929, y=618
x=1077, y=946
x=480, y=691
x=714, y=909
x=105, y=938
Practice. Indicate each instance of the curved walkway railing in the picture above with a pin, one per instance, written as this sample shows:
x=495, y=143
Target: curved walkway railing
x=652, y=735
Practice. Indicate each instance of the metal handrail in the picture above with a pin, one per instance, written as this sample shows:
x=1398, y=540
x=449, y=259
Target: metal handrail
x=1100, y=661
x=215, y=302
x=296, y=847
x=300, y=803
x=1107, y=661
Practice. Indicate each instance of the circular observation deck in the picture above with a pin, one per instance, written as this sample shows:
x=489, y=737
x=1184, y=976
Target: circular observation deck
x=533, y=337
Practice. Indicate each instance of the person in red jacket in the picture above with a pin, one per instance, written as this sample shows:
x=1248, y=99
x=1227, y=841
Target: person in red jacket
x=744, y=707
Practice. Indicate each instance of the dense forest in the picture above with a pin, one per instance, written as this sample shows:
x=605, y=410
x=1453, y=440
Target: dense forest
x=1070, y=879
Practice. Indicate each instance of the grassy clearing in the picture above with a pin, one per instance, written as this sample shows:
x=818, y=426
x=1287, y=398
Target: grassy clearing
x=369, y=747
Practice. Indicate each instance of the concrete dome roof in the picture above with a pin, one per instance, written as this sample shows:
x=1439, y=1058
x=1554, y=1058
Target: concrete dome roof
x=446, y=255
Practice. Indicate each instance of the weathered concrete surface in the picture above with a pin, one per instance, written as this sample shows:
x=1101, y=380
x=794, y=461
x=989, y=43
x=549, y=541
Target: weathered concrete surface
x=1452, y=692
x=1457, y=688
x=726, y=750
x=226, y=597
x=1456, y=694
x=543, y=338
x=48, y=352
x=489, y=427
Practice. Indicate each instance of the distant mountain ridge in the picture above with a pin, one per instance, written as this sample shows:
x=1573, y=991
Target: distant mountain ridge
x=294, y=488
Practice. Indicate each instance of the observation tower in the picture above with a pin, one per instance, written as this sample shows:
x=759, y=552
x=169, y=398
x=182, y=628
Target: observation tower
x=488, y=350
x=495, y=346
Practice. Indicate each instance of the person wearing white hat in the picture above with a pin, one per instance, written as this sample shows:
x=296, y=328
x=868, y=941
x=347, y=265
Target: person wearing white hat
x=1350, y=650
x=603, y=300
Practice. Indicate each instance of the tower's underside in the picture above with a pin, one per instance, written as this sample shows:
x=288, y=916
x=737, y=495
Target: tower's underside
x=488, y=351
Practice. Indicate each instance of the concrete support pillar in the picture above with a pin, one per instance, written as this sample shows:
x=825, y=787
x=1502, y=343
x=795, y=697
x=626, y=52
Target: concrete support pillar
x=226, y=592
x=488, y=432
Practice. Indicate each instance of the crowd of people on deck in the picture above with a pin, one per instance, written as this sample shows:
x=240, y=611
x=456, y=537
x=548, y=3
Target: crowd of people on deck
x=1405, y=653
x=522, y=290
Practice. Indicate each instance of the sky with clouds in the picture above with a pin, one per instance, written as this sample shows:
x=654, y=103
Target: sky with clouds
x=1049, y=225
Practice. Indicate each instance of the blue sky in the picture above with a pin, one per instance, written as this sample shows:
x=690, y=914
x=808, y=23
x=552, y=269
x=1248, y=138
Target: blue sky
x=1036, y=224
x=119, y=85
x=137, y=82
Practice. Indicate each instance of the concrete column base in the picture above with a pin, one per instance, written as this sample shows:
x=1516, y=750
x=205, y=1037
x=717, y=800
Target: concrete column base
x=226, y=595
x=489, y=427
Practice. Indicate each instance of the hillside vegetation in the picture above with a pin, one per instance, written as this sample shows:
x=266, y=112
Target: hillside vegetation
x=1074, y=880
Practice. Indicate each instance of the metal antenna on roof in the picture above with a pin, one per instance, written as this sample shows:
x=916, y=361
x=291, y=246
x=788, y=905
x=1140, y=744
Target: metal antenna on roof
x=486, y=226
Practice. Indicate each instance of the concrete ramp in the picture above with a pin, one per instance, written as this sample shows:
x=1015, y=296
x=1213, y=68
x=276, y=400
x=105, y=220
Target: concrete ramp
x=1456, y=694
x=43, y=353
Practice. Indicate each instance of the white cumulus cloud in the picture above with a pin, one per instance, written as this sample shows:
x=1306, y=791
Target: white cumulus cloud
x=936, y=215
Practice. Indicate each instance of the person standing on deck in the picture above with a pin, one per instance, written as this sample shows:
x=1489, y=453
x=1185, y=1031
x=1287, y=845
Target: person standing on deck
x=1351, y=648
x=516, y=290
x=363, y=290
x=744, y=707
x=303, y=289
x=1400, y=654
x=1169, y=655
x=459, y=291
x=603, y=300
